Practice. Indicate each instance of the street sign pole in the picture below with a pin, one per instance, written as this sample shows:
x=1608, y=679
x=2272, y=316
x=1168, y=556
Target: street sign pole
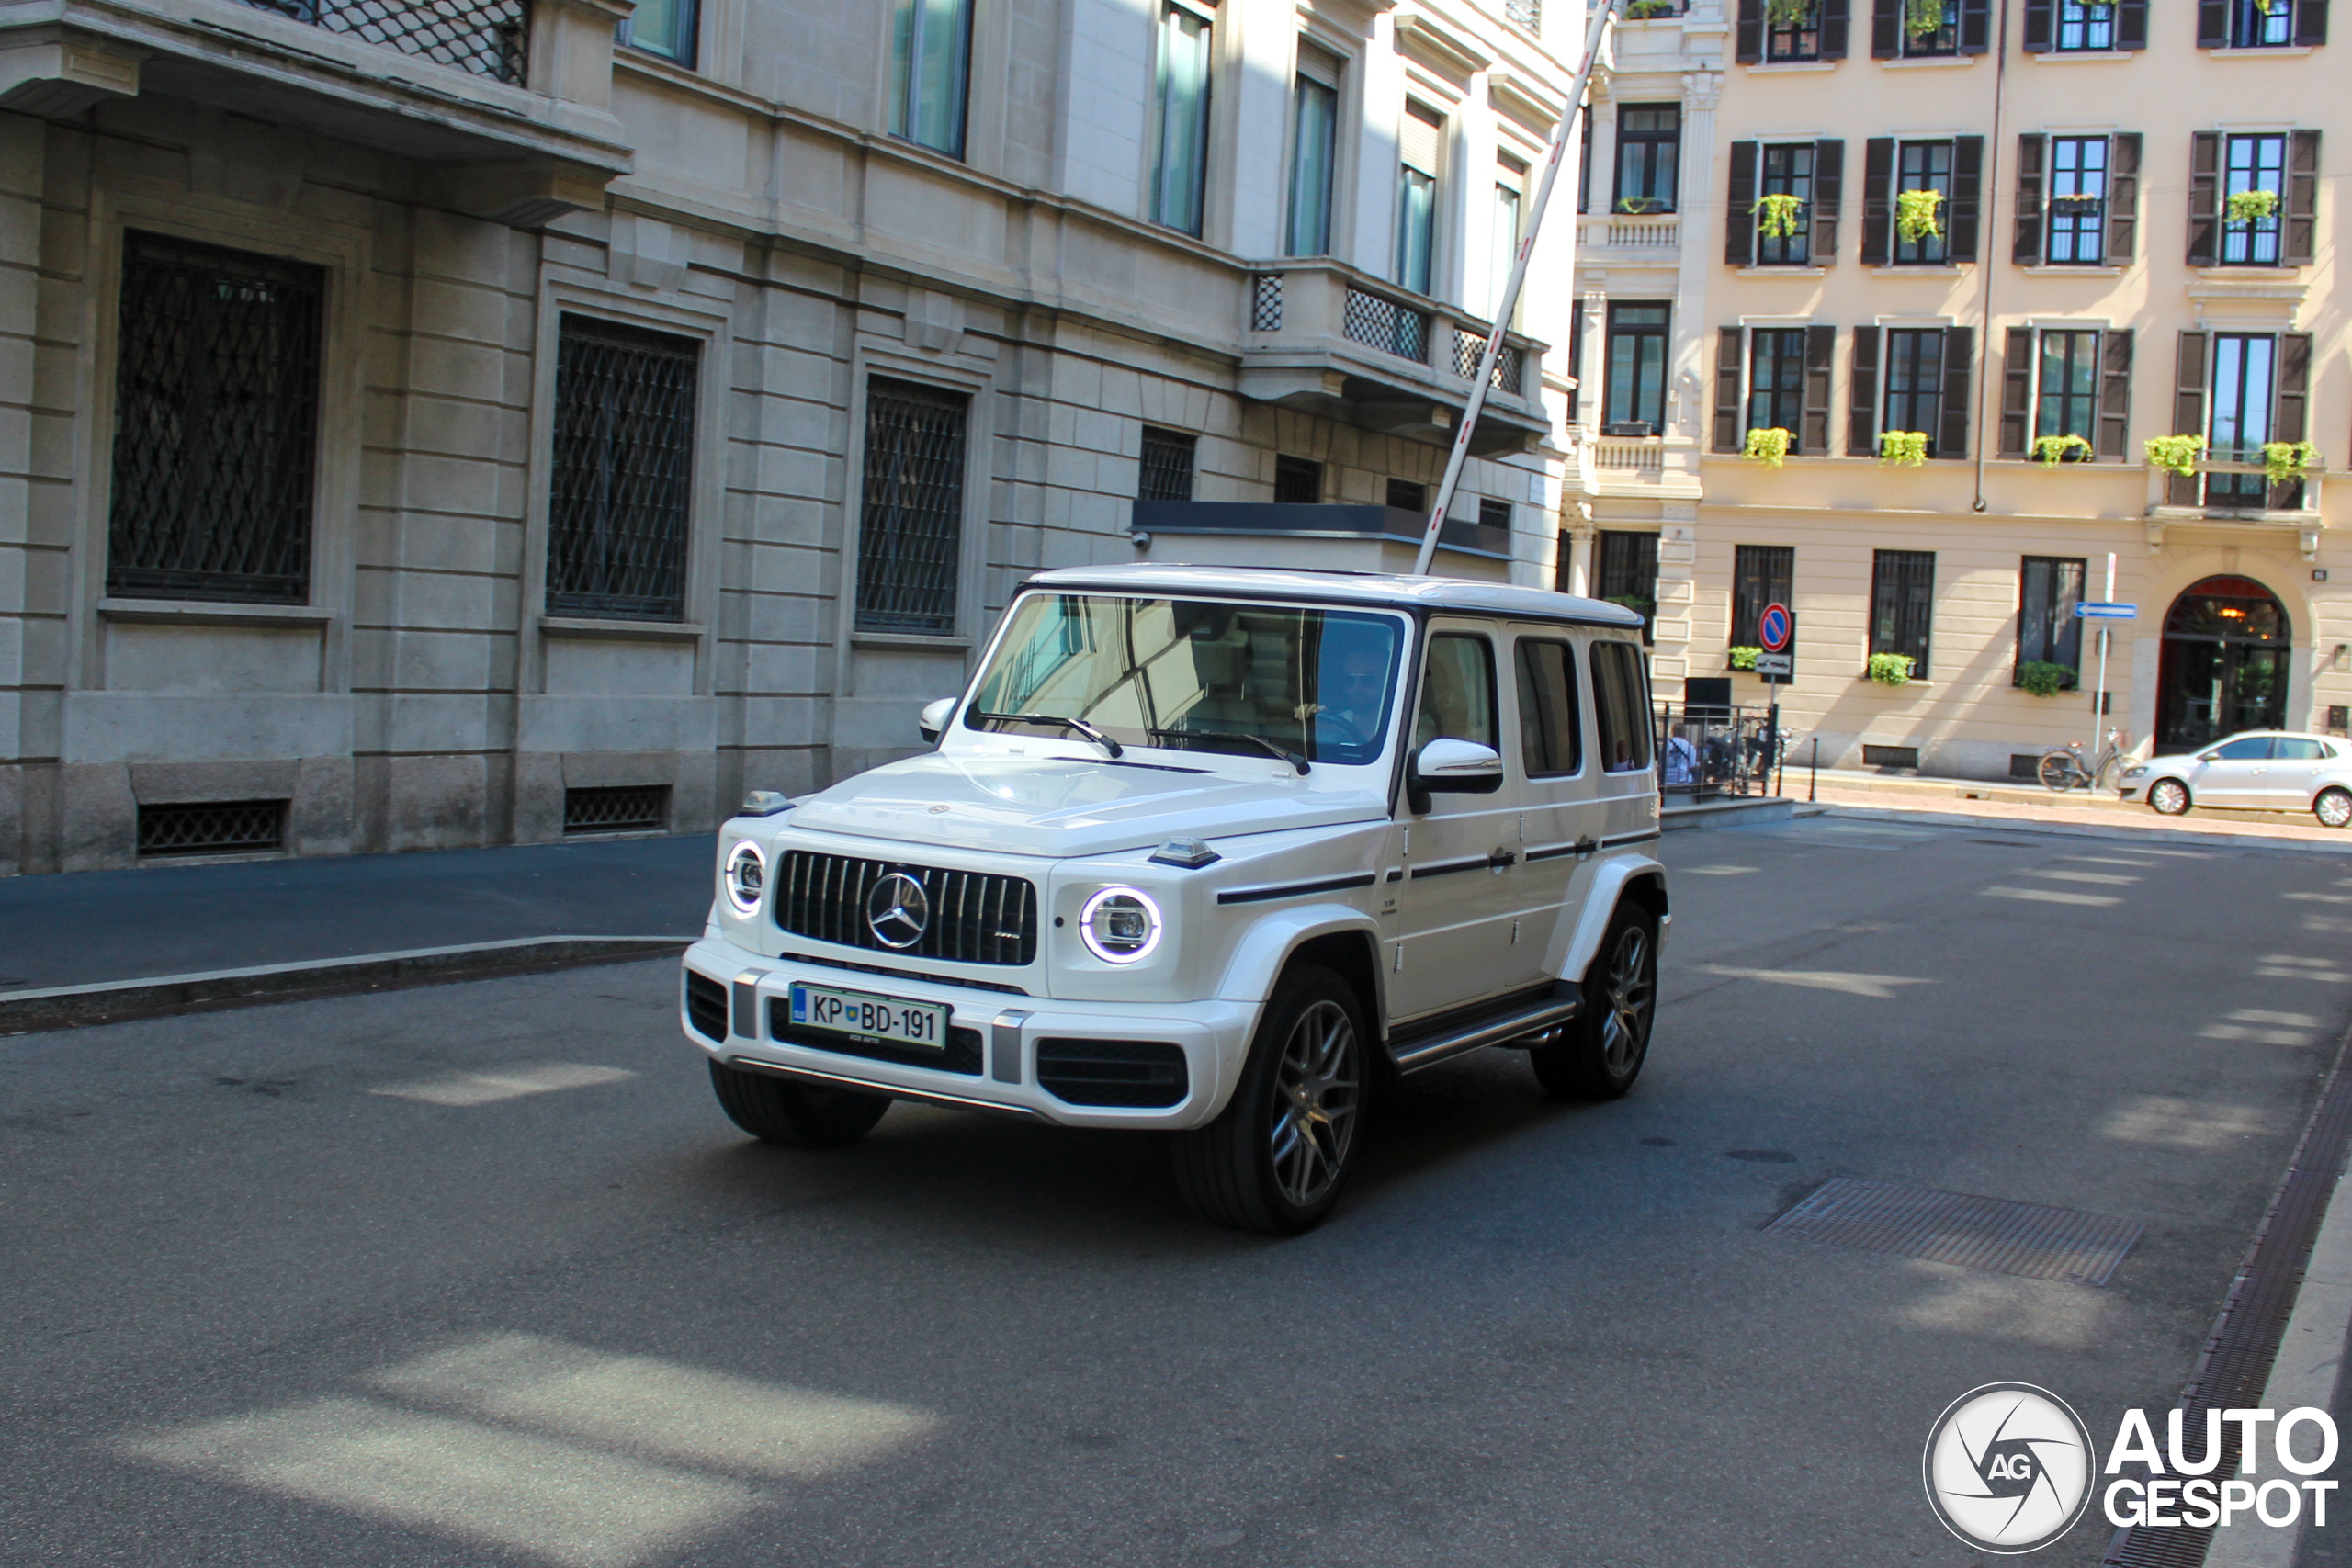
x=1493, y=351
x=2098, y=697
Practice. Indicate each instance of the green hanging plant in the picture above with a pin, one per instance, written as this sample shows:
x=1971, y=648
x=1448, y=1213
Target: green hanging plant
x=2050, y=450
x=2175, y=454
x=1641, y=204
x=1643, y=10
x=2252, y=206
x=1889, y=669
x=1903, y=448
x=1768, y=446
x=2041, y=678
x=2285, y=460
x=1743, y=657
x=1777, y=215
x=1915, y=214
x=1923, y=18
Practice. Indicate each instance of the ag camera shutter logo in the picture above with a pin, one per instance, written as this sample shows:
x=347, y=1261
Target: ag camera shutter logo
x=2009, y=1468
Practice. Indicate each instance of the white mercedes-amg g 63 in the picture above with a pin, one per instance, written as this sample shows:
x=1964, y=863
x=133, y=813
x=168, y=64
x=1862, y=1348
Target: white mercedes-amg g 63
x=1208, y=852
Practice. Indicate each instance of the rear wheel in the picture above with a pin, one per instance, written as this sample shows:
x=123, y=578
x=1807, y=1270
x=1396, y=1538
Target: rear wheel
x=2334, y=808
x=2168, y=797
x=1601, y=1052
x=2059, y=771
x=1275, y=1159
x=795, y=1115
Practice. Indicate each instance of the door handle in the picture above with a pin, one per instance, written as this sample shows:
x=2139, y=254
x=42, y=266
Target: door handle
x=1587, y=845
x=1501, y=859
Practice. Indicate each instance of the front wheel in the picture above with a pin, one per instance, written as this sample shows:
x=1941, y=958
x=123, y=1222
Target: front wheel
x=2168, y=797
x=1275, y=1159
x=2059, y=771
x=1601, y=1051
x=2334, y=808
x=794, y=1115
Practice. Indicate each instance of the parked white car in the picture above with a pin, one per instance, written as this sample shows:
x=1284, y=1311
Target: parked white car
x=2265, y=769
x=1208, y=851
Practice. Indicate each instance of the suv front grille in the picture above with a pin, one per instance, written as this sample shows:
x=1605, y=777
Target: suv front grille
x=1111, y=1072
x=975, y=918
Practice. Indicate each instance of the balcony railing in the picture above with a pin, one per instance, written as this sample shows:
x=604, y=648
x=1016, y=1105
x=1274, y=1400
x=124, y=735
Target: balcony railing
x=483, y=38
x=1660, y=466
x=1387, y=326
x=2235, y=483
x=1630, y=232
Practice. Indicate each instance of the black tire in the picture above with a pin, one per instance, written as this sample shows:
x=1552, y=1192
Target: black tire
x=1275, y=1159
x=2168, y=797
x=1599, y=1053
x=2334, y=808
x=2058, y=770
x=794, y=1115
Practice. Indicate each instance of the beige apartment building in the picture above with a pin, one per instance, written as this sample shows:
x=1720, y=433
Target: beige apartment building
x=2093, y=272
x=431, y=423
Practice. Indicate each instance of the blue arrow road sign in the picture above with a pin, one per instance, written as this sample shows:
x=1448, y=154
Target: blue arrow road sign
x=2096, y=611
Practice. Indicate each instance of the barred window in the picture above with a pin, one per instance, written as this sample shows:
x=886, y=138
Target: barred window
x=1297, y=480
x=1903, y=599
x=1167, y=464
x=216, y=425
x=909, y=546
x=617, y=503
x=1761, y=575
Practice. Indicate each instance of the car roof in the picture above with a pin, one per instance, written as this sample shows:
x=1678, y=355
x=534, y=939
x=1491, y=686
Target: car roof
x=1370, y=589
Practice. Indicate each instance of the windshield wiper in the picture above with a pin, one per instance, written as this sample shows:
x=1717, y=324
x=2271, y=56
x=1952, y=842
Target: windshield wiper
x=1284, y=752
x=1079, y=724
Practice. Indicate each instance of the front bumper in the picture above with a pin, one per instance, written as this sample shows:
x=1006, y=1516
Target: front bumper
x=996, y=1071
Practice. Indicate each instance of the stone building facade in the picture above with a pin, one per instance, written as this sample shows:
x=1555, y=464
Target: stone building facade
x=482, y=422
x=2104, y=270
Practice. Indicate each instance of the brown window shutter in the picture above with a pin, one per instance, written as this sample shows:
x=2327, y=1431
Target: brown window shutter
x=2213, y=24
x=1960, y=353
x=2122, y=198
x=1878, y=218
x=1820, y=346
x=2032, y=151
x=1861, y=414
x=1729, y=437
x=1751, y=47
x=2017, y=393
x=1975, y=26
x=2303, y=195
x=2038, y=19
x=1886, y=25
x=1828, y=195
x=2291, y=420
x=2310, y=23
x=2115, y=393
x=2204, y=199
x=2187, y=408
x=1967, y=197
x=2131, y=25
x=1739, y=222
x=1835, y=23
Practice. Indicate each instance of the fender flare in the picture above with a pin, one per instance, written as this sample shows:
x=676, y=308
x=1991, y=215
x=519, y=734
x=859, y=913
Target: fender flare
x=1264, y=949
x=1610, y=883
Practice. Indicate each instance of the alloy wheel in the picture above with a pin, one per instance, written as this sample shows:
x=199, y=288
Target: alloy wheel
x=1627, y=993
x=2333, y=809
x=1317, y=1091
x=2168, y=797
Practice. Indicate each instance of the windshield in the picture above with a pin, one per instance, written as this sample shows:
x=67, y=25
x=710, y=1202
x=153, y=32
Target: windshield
x=1195, y=674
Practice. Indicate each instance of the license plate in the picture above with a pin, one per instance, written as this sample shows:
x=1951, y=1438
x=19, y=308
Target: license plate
x=870, y=1017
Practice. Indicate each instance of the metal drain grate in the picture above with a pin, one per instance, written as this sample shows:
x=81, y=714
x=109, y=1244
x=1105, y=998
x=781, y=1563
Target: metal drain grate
x=616, y=808
x=1993, y=1234
x=211, y=828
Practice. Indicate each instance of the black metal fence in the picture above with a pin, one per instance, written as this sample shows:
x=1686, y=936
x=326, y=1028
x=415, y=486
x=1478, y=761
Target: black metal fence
x=485, y=38
x=1706, y=751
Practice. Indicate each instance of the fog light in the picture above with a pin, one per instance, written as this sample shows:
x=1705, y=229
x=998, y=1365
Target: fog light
x=1120, y=925
x=745, y=877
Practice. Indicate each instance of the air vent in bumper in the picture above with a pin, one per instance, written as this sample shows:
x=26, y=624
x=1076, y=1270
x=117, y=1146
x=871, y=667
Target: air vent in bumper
x=1136, y=1072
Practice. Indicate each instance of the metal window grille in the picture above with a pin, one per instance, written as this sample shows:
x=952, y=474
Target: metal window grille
x=482, y=38
x=1528, y=14
x=1494, y=514
x=1167, y=464
x=216, y=425
x=1387, y=326
x=212, y=828
x=616, y=808
x=1890, y=756
x=1266, y=302
x=1761, y=575
x=1509, y=364
x=909, y=541
x=1408, y=495
x=1298, y=481
x=1903, y=596
x=624, y=470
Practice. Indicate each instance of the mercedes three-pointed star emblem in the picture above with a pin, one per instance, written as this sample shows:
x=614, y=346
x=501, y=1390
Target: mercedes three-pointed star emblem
x=897, y=911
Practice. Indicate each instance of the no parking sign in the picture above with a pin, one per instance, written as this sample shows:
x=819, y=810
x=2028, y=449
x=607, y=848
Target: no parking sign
x=1776, y=629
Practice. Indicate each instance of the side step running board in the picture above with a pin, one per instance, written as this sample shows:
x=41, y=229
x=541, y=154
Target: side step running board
x=1429, y=1053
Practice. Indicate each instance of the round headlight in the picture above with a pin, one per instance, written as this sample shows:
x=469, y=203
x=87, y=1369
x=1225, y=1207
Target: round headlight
x=745, y=877
x=1120, y=925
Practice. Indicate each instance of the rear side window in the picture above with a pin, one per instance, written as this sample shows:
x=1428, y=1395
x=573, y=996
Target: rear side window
x=1458, y=691
x=1551, y=735
x=2253, y=749
x=2290, y=751
x=1621, y=706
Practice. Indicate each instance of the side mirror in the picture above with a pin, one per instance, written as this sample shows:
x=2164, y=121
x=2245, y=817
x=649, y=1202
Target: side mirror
x=1446, y=766
x=933, y=722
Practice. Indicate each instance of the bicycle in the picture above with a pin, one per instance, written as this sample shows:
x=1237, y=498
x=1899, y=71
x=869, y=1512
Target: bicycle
x=2063, y=768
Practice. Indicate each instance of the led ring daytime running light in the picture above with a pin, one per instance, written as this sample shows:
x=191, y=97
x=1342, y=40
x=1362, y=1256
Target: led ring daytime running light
x=1111, y=899
x=744, y=892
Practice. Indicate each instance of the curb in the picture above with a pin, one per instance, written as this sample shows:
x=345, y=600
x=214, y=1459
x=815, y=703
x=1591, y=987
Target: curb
x=2152, y=836
x=116, y=1001
x=1734, y=812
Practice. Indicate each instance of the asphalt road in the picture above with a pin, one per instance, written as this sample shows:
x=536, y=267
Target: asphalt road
x=478, y=1275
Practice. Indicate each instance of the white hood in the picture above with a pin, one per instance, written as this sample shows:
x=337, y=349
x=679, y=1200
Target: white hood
x=1064, y=807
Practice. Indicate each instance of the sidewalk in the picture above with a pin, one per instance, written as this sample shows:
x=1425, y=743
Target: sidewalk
x=88, y=926
x=2101, y=813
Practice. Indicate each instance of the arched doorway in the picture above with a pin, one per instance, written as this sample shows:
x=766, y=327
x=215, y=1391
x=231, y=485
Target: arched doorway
x=2224, y=666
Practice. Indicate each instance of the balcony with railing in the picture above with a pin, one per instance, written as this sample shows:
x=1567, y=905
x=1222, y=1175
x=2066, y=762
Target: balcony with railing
x=2234, y=488
x=509, y=102
x=1329, y=339
x=1663, y=468
x=1631, y=239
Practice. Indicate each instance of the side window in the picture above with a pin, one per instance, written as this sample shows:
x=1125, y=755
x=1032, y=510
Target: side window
x=1457, y=691
x=2301, y=750
x=2253, y=749
x=1551, y=731
x=1621, y=704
